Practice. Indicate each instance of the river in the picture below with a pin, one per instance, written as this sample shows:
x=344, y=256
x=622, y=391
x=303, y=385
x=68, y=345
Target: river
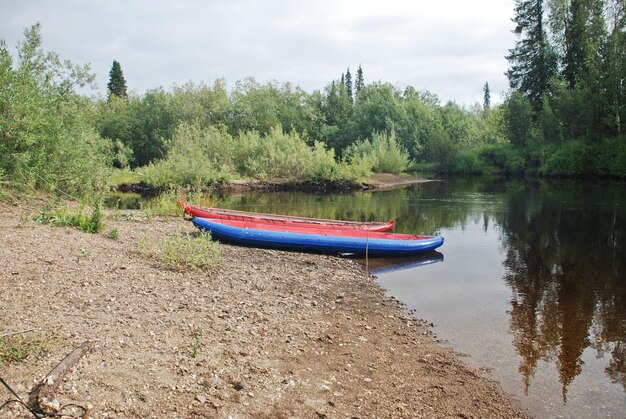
x=530, y=283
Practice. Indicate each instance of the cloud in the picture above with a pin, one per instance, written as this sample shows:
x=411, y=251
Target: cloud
x=450, y=47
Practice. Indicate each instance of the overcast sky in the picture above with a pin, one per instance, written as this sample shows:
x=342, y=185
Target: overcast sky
x=449, y=47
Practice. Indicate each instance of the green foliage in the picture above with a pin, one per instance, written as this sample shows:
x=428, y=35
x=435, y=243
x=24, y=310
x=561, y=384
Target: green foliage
x=117, y=83
x=610, y=158
x=196, y=158
x=183, y=251
x=502, y=158
x=164, y=204
x=569, y=160
x=195, y=350
x=468, y=163
x=383, y=153
x=46, y=140
x=196, y=135
x=519, y=117
x=533, y=60
x=58, y=216
x=118, y=177
x=14, y=349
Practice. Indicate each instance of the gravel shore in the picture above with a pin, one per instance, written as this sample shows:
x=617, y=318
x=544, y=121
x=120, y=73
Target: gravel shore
x=264, y=334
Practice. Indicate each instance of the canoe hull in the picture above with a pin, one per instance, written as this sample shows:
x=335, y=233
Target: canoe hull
x=317, y=243
x=284, y=220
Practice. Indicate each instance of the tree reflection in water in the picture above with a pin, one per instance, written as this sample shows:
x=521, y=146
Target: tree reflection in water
x=565, y=265
x=564, y=256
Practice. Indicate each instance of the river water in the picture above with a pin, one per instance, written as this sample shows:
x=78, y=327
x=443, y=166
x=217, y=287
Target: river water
x=530, y=283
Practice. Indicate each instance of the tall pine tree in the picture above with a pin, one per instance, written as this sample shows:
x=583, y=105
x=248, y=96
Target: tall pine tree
x=533, y=61
x=359, y=83
x=117, y=83
x=615, y=59
x=575, y=38
x=348, y=83
x=486, y=96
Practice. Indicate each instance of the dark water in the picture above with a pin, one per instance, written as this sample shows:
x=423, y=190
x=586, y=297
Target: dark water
x=530, y=283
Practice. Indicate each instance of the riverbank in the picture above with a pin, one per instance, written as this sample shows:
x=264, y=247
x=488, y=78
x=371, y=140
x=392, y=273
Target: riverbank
x=377, y=181
x=264, y=334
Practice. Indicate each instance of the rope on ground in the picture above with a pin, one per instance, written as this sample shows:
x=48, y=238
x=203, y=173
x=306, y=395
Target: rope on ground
x=17, y=399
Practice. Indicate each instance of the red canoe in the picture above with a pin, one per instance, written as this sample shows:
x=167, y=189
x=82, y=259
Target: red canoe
x=285, y=220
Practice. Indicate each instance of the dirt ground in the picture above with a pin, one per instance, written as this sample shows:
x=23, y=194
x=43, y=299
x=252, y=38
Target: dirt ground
x=264, y=334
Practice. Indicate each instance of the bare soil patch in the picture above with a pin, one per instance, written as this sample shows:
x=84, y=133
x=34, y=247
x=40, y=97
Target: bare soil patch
x=382, y=181
x=264, y=334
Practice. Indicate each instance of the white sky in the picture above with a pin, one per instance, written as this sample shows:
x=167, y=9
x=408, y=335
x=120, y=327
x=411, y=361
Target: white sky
x=449, y=47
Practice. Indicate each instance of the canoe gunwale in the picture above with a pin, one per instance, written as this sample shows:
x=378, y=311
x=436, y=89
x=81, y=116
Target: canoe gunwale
x=295, y=221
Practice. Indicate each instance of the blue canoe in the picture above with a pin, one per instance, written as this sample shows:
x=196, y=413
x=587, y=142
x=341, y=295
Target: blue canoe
x=318, y=241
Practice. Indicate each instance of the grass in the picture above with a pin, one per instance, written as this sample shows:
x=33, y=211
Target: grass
x=59, y=216
x=183, y=251
x=123, y=176
x=14, y=349
x=195, y=350
x=164, y=204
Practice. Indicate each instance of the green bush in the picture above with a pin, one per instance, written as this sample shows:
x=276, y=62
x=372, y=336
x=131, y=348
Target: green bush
x=198, y=157
x=46, y=139
x=468, y=162
x=503, y=158
x=195, y=158
x=383, y=153
x=568, y=160
x=164, y=204
x=609, y=158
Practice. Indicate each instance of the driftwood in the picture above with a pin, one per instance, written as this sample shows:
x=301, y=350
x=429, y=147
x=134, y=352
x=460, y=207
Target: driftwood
x=45, y=392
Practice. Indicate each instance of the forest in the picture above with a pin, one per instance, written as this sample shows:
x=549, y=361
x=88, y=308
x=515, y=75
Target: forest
x=563, y=116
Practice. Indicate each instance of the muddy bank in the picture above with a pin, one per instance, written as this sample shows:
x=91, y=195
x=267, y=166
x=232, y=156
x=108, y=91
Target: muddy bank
x=378, y=181
x=264, y=334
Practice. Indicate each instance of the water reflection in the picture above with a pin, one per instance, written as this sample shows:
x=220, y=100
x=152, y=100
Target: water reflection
x=534, y=277
x=378, y=266
x=565, y=266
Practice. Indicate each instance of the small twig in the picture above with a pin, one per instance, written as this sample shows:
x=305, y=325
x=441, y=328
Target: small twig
x=4, y=335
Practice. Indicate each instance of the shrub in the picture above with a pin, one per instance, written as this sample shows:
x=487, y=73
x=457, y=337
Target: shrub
x=164, y=204
x=46, y=140
x=569, y=160
x=610, y=158
x=467, y=162
x=383, y=153
x=66, y=216
x=183, y=251
x=503, y=158
x=195, y=158
x=198, y=157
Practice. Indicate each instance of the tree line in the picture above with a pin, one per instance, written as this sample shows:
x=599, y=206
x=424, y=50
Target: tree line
x=568, y=78
x=562, y=116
